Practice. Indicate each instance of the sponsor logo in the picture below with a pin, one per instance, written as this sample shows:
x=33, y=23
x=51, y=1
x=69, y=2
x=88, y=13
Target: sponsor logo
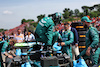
x=41, y=24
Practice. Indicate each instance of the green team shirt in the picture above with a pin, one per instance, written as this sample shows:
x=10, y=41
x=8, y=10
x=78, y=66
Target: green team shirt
x=68, y=37
x=4, y=46
x=92, y=37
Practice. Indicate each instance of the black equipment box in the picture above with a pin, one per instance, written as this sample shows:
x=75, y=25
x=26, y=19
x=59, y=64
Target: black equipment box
x=35, y=55
x=49, y=61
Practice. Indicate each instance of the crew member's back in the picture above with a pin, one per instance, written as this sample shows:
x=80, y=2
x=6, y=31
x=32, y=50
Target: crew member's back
x=44, y=30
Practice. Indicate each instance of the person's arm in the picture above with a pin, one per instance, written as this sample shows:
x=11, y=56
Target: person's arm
x=76, y=35
x=49, y=34
x=6, y=54
x=11, y=52
x=95, y=38
x=3, y=50
x=71, y=39
x=33, y=37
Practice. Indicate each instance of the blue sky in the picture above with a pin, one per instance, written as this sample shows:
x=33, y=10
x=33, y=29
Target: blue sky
x=13, y=11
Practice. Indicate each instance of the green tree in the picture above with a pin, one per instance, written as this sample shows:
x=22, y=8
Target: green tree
x=29, y=20
x=34, y=24
x=76, y=12
x=85, y=9
x=71, y=13
x=40, y=17
x=94, y=14
x=1, y=30
x=66, y=9
x=81, y=14
x=66, y=13
x=91, y=8
x=25, y=21
x=97, y=7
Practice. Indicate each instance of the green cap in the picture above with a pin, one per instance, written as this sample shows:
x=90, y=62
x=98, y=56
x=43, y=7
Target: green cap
x=85, y=18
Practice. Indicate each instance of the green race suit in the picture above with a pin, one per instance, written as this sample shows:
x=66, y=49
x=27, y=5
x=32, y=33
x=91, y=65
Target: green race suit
x=68, y=38
x=92, y=40
x=2, y=50
x=56, y=34
x=44, y=30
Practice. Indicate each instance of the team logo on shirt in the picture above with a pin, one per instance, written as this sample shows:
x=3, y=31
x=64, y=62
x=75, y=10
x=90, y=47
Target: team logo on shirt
x=41, y=22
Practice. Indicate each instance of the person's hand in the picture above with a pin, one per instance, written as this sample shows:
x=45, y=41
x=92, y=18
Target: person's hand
x=10, y=56
x=58, y=44
x=77, y=57
x=14, y=55
x=76, y=45
x=62, y=43
x=88, y=51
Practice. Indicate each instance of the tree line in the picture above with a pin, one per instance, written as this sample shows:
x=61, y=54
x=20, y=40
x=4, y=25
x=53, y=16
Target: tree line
x=92, y=11
x=68, y=14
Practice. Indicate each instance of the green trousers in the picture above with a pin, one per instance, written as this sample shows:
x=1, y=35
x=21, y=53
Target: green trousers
x=67, y=50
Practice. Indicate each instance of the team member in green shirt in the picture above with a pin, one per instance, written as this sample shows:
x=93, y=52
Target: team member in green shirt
x=44, y=30
x=92, y=39
x=67, y=38
x=3, y=46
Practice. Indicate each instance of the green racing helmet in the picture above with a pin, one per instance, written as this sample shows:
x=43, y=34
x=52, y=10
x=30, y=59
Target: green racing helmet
x=56, y=17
